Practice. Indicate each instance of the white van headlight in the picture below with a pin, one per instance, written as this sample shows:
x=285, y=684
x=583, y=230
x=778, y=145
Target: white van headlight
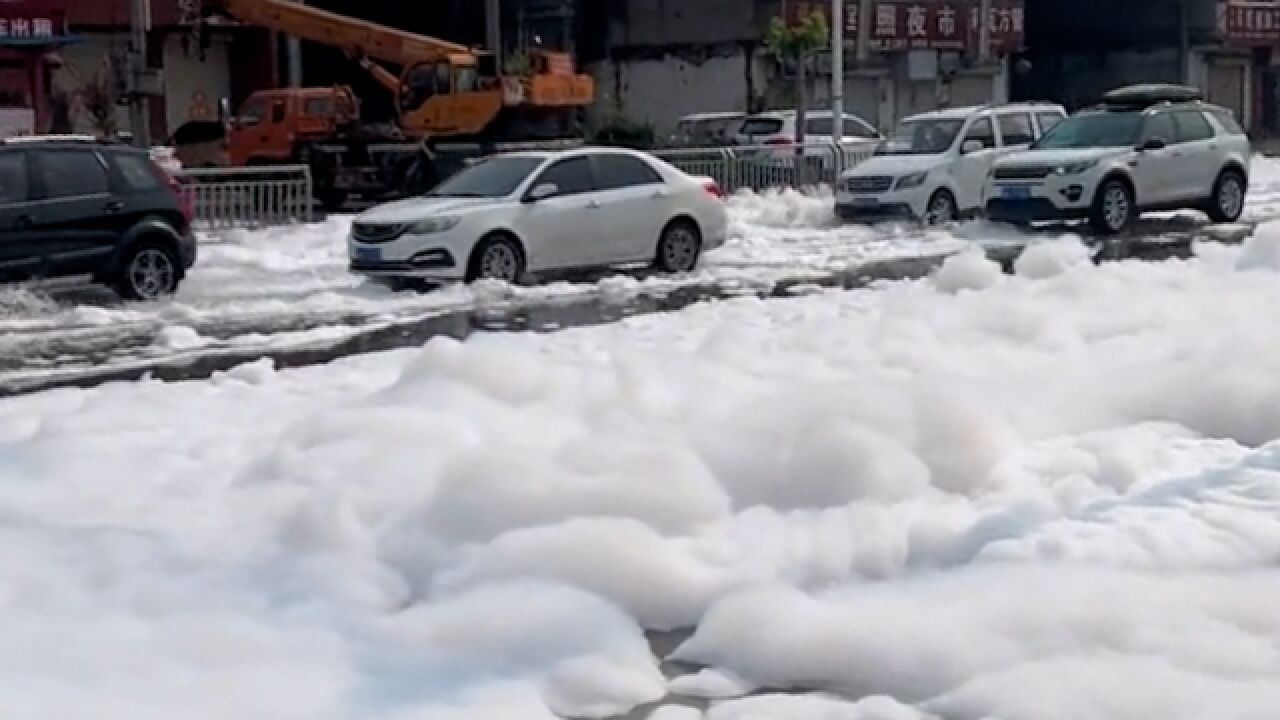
x=434, y=225
x=914, y=180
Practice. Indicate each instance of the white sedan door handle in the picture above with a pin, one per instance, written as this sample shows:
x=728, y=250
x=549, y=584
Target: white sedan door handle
x=593, y=204
x=659, y=194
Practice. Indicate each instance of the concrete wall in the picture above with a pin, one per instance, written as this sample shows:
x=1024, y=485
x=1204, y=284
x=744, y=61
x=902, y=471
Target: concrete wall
x=660, y=90
x=192, y=86
x=669, y=23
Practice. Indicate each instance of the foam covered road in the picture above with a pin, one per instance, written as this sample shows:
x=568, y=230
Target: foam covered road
x=285, y=293
x=1050, y=494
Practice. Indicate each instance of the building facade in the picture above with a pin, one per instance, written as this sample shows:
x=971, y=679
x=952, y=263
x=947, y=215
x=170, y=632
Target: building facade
x=196, y=75
x=663, y=60
x=33, y=34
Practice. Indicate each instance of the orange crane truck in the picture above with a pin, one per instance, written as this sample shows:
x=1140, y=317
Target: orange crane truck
x=446, y=95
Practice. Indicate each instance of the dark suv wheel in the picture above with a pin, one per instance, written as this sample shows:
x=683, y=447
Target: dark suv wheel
x=148, y=271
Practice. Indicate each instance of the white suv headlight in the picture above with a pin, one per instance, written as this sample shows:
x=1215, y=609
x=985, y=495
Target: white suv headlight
x=1075, y=168
x=914, y=180
x=434, y=225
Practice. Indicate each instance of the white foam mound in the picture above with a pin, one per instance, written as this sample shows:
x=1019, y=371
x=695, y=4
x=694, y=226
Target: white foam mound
x=1050, y=495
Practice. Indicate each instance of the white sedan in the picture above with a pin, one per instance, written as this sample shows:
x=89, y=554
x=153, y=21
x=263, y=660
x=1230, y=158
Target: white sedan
x=529, y=212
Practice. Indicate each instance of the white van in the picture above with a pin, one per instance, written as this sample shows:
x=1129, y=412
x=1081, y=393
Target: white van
x=934, y=166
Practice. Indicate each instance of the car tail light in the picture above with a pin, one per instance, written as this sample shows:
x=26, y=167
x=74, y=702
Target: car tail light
x=778, y=141
x=185, y=197
x=713, y=189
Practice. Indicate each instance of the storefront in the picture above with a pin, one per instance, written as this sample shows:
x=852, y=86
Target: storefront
x=1242, y=73
x=908, y=56
x=31, y=33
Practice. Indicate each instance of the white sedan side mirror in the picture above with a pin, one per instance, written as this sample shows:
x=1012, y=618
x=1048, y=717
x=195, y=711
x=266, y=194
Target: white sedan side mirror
x=971, y=146
x=543, y=191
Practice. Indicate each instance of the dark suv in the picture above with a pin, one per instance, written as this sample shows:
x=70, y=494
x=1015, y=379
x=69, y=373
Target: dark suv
x=78, y=207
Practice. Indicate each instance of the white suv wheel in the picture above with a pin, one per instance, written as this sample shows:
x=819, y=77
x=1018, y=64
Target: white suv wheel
x=1113, y=207
x=1228, y=198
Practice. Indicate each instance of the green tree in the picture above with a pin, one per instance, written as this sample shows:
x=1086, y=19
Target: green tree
x=798, y=44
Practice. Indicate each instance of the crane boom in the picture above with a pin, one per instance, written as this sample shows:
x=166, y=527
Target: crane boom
x=358, y=38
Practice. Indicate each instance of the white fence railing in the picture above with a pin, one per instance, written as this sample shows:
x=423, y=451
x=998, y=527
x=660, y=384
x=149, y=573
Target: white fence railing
x=250, y=196
x=756, y=167
x=282, y=194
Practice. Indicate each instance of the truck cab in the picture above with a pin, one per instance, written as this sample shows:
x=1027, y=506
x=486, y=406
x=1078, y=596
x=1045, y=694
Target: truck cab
x=273, y=125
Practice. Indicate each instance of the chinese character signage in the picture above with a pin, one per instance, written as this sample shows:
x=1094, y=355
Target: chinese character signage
x=1250, y=22
x=897, y=25
x=32, y=21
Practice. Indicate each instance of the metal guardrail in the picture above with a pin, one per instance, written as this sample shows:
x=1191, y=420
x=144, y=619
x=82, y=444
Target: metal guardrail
x=757, y=167
x=250, y=196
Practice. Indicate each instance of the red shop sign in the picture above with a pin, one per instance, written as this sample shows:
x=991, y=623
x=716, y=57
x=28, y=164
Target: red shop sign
x=1249, y=21
x=898, y=25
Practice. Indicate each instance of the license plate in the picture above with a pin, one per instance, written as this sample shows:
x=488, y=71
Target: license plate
x=1015, y=192
x=368, y=254
x=864, y=201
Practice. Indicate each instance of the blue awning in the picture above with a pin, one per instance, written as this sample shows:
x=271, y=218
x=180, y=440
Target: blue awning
x=52, y=41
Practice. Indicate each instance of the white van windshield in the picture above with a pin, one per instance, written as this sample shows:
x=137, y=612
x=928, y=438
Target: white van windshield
x=922, y=137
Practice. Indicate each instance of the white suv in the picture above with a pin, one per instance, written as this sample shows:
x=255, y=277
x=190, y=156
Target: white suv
x=934, y=165
x=777, y=129
x=1150, y=147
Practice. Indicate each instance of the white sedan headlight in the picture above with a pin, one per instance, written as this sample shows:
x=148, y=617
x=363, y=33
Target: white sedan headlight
x=433, y=225
x=914, y=180
x=1075, y=168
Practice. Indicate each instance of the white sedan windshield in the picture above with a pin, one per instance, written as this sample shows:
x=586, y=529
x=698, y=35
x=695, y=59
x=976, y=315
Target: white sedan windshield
x=492, y=178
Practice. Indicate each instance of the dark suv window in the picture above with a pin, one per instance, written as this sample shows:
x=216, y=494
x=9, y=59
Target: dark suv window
x=13, y=177
x=137, y=171
x=571, y=176
x=620, y=171
x=1192, y=127
x=72, y=173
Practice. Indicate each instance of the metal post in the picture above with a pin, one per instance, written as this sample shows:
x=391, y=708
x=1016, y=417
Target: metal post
x=984, y=31
x=1184, y=42
x=139, y=105
x=837, y=72
x=493, y=28
x=293, y=47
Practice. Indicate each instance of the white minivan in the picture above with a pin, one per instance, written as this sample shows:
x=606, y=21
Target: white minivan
x=934, y=166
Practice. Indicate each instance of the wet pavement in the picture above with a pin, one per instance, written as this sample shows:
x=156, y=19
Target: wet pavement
x=90, y=355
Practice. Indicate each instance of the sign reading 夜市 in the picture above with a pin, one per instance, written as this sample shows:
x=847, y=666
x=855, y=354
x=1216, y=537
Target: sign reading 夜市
x=898, y=25
x=32, y=21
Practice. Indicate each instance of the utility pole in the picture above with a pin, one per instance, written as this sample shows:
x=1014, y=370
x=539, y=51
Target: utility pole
x=837, y=72
x=293, y=47
x=984, y=31
x=139, y=104
x=493, y=28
